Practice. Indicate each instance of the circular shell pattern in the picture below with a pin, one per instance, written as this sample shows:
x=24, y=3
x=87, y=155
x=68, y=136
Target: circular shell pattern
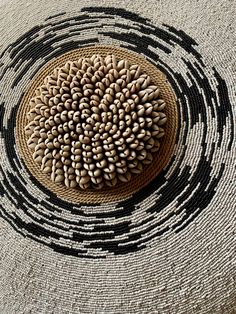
x=94, y=122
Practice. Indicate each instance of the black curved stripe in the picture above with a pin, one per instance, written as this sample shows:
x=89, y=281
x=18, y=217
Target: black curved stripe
x=115, y=231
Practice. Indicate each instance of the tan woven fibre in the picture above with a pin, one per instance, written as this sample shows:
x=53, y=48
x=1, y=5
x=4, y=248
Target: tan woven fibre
x=121, y=190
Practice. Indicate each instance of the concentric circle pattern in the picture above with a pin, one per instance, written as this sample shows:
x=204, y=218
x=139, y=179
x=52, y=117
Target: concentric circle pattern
x=174, y=198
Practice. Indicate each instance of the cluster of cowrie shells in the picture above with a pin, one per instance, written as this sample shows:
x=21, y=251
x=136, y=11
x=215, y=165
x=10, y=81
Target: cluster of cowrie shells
x=95, y=122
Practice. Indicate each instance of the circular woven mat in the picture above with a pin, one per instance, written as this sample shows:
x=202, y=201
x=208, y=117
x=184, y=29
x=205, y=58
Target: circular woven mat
x=165, y=242
x=121, y=190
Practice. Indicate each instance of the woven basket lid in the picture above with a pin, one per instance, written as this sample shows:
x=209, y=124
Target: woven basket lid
x=161, y=242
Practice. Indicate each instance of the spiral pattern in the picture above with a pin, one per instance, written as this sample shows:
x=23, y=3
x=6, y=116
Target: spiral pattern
x=185, y=188
x=94, y=122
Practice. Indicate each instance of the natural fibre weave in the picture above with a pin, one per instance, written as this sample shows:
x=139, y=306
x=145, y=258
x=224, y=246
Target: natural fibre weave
x=122, y=190
x=170, y=246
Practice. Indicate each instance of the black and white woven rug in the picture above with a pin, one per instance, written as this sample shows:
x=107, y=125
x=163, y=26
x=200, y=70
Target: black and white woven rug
x=166, y=247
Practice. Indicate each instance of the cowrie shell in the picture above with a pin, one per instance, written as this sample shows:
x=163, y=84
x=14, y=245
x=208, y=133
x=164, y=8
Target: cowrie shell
x=95, y=121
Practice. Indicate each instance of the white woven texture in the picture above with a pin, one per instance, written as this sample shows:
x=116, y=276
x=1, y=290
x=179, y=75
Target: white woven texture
x=191, y=271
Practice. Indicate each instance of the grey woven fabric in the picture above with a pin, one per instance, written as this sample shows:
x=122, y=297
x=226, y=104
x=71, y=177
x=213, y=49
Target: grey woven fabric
x=170, y=248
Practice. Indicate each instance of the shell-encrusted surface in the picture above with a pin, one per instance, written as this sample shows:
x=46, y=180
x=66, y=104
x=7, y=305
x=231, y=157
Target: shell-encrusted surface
x=95, y=122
